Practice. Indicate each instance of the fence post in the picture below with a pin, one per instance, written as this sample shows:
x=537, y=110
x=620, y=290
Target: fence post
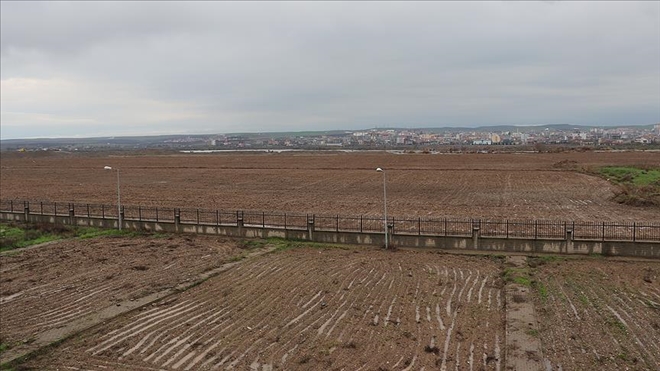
x=337, y=224
x=55, y=208
x=197, y=216
x=360, y=223
x=140, y=213
x=88, y=210
x=156, y=214
x=573, y=229
x=285, y=221
x=634, y=231
x=392, y=233
x=26, y=210
x=41, y=208
x=72, y=213
x=569, y=241
x=507, y=228
x=603, y=232
x=475, y=235
x=445, y=227
x=217, y=217
x=263, y=219
x=419, y=226
x=536, y=228
x=310, y=228
x=11, y=205
x=103, y=212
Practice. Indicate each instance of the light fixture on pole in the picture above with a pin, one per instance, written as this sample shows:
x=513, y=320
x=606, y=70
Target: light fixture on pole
x=385, y=205
x=118, y=198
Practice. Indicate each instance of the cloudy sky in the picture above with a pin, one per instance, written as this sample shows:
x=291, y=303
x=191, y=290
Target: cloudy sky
x=109, y=69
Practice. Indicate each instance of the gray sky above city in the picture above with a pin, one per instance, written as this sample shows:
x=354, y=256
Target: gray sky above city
x=110, y=69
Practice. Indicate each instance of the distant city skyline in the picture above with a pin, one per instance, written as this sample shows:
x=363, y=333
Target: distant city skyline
x=100, y=69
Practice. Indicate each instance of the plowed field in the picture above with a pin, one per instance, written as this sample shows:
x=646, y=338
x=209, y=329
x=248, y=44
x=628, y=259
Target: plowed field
x=46, y=287
x=600, y=315
x=320, y=309
x=501, y=186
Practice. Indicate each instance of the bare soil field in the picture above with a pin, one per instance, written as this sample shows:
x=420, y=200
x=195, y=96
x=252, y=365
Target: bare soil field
x=304, y=309
x=598, y=314
x=499, y=186
x=46, y=287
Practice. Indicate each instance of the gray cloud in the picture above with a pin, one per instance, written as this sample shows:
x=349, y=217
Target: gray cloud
x=87, y=68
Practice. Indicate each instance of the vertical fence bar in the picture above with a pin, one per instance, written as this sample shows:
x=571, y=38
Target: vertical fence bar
x=197, y=216
x=11, y=205
x=55, y=207
x=445, y=227
x=140, y=213
x=41, y=208
x=285, y=221
x=360, y=223
x=263, y=219
x=102, y=211
x=634, y=231
x=507, y=228
x=88, y=210
x=536, y=228
x=156, y=214
x=419, y=226
x=603, y=232
x=337, y=224
x=573, y=229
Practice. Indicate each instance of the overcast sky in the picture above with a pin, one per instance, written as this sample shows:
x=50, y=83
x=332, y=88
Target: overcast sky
x=111, y=69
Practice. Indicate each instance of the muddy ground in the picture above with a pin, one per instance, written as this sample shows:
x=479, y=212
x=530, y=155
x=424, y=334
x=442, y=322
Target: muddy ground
x=46, y=287
x=500, y=186
x=598, y=313
x=317, y=309
x=327, y=308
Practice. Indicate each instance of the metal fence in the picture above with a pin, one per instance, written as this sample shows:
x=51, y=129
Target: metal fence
x=453, y=227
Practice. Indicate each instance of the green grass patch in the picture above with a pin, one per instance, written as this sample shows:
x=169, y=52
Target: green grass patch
x=4, y=347
x=542, y=290
x=638, y=186
x=520, y=276
x=19, y=235
x=281, y=244
x=86, y=232
x=629, y=174
x=13, y=236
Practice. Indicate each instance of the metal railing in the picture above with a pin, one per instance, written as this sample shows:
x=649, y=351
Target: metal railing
x=451, y=227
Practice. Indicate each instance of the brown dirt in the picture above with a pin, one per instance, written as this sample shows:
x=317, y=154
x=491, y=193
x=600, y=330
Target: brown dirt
x=50, y=286
x=599, y=314
x=502, y=186
x=312, y=309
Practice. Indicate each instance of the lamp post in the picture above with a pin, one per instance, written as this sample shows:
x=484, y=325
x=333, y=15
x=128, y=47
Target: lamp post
x=385, y=205
x=118, y=198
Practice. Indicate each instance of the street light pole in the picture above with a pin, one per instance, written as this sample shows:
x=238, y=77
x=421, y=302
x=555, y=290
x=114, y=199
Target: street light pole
x=384, y=205
x=118, y=198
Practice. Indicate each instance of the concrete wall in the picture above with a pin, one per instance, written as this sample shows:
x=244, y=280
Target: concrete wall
x=476, y=242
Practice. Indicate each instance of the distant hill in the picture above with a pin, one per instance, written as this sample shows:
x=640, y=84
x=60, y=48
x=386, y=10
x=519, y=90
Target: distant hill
x=178, y=141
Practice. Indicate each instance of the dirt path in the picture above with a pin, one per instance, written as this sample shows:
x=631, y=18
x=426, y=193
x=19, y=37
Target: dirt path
x=523, y=348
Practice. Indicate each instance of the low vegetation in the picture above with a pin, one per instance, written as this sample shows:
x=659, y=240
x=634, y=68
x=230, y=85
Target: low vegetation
x=19, y=235
x=638, y=186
